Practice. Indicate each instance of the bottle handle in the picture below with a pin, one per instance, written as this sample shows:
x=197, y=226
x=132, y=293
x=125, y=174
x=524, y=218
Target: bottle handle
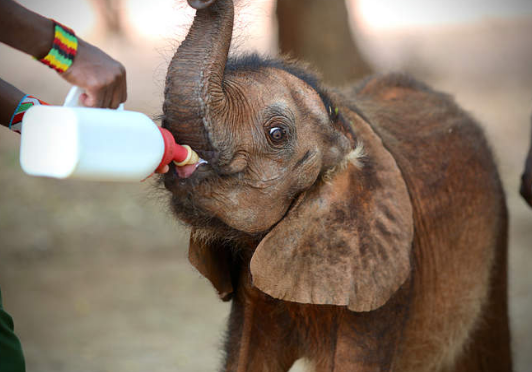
x=72, y=98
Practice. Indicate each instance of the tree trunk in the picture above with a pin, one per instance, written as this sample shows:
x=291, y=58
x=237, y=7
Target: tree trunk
x=110, y=12
x=318, y=32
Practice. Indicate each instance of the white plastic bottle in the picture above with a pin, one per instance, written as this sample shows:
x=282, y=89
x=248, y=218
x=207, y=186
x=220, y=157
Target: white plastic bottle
x=96, y=144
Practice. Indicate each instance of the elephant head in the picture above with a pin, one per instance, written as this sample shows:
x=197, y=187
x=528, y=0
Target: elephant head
x=306, y=181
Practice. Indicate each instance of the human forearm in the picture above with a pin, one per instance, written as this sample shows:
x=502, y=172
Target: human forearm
x=34, y=33
x=10, y=97
x=101, y=77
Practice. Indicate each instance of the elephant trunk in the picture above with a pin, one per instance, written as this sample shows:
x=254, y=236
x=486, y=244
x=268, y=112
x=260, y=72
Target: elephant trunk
x=194, y=95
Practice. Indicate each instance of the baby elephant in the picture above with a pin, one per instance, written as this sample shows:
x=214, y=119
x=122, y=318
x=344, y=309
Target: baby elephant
x=362, y=229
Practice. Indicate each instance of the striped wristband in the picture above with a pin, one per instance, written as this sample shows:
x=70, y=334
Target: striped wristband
x=64, y=49
x=15, y=124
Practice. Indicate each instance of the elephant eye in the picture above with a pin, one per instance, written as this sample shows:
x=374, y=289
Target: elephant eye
x=277, y=134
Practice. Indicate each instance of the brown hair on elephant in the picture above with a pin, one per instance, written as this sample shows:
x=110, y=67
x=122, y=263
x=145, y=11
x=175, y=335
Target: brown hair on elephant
x=362, y=229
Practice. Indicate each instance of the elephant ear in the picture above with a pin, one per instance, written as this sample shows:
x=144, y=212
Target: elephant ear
x=346, y=241
x=213, y=260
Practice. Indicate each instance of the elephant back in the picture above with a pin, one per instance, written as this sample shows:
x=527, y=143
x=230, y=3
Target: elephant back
x=460, y=215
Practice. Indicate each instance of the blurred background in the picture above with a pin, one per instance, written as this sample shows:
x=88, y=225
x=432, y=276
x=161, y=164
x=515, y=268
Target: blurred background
x=95, y=275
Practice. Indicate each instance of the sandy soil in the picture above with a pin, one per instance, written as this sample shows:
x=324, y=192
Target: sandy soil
x=96, y=276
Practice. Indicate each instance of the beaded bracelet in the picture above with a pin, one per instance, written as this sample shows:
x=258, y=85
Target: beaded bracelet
x=64, y=49
x=15, y=124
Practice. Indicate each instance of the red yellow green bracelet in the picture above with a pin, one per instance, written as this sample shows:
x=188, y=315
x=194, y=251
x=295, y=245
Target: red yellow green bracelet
x=64, y=49
x=15, y=124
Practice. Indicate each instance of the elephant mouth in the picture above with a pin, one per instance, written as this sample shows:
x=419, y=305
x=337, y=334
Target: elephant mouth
x=188, y=170
x=189, y=175
x=187, y=185
x=188, y=195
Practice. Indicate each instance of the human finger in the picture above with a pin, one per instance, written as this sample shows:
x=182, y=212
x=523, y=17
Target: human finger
x=116, y=98
x=107, y=97
x=88, y=100
x=95, y=97
x=124, y=90
x=165, y=169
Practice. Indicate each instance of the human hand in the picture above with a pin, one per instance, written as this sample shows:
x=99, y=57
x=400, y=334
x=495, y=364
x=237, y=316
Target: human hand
x=102, y=77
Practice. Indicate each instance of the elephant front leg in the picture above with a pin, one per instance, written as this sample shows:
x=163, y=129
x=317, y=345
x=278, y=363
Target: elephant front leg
x=258, y=339
x=367, y=341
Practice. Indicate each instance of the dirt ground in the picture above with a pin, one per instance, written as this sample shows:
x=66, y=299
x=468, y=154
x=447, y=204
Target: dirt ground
x=96, y=275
